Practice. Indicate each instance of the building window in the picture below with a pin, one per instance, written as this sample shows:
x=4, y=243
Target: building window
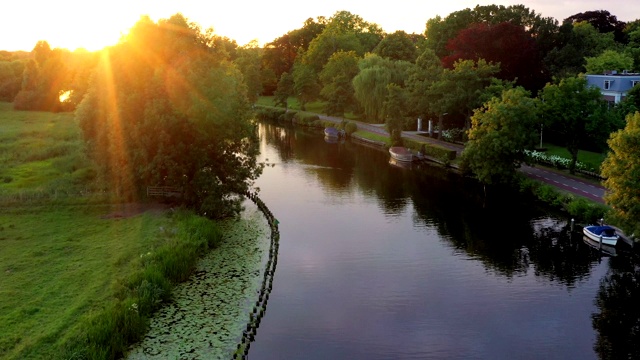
x=607, y=84
x=634, y=82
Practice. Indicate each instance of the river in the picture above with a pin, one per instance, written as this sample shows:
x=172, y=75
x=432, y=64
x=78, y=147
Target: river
x=382, y=262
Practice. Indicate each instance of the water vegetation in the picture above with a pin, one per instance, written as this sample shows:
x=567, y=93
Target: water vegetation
x=207, y=312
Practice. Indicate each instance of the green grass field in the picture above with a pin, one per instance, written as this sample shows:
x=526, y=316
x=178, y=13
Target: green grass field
x=40, y=153
x=69, y=269
x=59, y=266
x=588, y=158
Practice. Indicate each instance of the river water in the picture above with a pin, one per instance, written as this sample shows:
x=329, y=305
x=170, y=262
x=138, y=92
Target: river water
x=382, y=262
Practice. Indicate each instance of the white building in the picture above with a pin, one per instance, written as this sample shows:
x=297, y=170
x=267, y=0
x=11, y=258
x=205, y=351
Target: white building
x=614, y=86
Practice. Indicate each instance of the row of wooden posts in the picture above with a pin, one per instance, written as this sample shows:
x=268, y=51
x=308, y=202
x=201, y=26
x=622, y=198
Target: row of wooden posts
x=260, y=306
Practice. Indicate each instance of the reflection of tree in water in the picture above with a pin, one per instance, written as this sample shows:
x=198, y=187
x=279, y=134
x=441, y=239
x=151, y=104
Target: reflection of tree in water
x=330, y=164
x=282, y=139
x=501, y=234
x=617, y=320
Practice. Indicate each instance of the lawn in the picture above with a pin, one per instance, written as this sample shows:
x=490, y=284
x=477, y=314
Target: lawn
x=40, y=152
x=372, y=136
x=591, y=159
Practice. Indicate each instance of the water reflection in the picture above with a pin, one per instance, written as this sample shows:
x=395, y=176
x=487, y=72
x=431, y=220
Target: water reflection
x=617, y=319
x=379, y=261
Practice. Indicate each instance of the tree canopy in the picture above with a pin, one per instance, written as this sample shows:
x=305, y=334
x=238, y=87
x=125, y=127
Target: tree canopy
x=167, y=108
x=499, y=134
x=621, y=169
x=505, y=44
x=569, y=108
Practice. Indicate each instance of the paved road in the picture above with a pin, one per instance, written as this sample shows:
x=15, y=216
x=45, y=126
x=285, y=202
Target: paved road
x=564, y=182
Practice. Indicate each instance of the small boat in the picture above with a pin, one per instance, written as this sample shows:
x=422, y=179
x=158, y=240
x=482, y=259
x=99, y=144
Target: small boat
x=332, y=132
x=401, y=153
x=604, y=233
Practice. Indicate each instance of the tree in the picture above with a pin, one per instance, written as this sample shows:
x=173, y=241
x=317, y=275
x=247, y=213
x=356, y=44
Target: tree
x=248, y=62
x=461, y=88
x=397, y=46
x=284, y=90
x=167, y=108
x=306, y=85
x=543, y=29
x=346, y=32
x=370, y=84
x=336, y=78
x=500, y=132
x=504, y=43
x=602, y=21
x=280, y=54
x=568, y=109
x=607, y=61
x=426, y=71
x=576, y=42
x=633, y=97
x=43, y=80
x=10, y=79
x=394, y=112
x=621, y=169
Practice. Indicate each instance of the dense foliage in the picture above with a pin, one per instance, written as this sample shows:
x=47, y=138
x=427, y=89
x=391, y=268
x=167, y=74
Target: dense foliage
x=166, y=108
x=499, y=136
x=622, y=170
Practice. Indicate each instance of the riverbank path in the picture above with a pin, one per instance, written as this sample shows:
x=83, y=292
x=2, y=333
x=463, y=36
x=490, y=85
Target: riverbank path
x=591, y=190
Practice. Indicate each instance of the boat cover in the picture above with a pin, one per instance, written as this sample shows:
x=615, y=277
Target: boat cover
x=602, y=230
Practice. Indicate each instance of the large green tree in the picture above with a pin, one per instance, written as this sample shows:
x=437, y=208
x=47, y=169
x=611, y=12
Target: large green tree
x=607, y=61
x=500, y=132
x=576, y=42
x=621, y=169
x=248, y=62
x=336, y=78
x=344, y=31
x=166, y=108
x=394, y=112
x=370, y=85
x=305, y=84
x=397, y=46
x=426, y=71
x=462, y=88
x=569, y=109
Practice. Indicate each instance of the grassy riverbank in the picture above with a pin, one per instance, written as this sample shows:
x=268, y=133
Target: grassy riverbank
x=80, y=275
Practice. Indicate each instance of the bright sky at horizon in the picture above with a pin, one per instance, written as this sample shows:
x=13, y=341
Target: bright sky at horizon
x=93, y=25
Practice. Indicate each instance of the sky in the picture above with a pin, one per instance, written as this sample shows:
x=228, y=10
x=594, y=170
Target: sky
x=93, y=24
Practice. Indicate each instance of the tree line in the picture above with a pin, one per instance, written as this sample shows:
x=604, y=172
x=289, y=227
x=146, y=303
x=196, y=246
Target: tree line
x=167, y=86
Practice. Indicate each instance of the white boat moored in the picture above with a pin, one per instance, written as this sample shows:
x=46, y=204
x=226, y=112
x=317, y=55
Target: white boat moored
x=401, y=153
x=604, y=233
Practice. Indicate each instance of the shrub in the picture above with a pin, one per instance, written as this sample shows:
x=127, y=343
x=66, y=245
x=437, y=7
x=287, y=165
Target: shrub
x=586, y=210
x=350, y=128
